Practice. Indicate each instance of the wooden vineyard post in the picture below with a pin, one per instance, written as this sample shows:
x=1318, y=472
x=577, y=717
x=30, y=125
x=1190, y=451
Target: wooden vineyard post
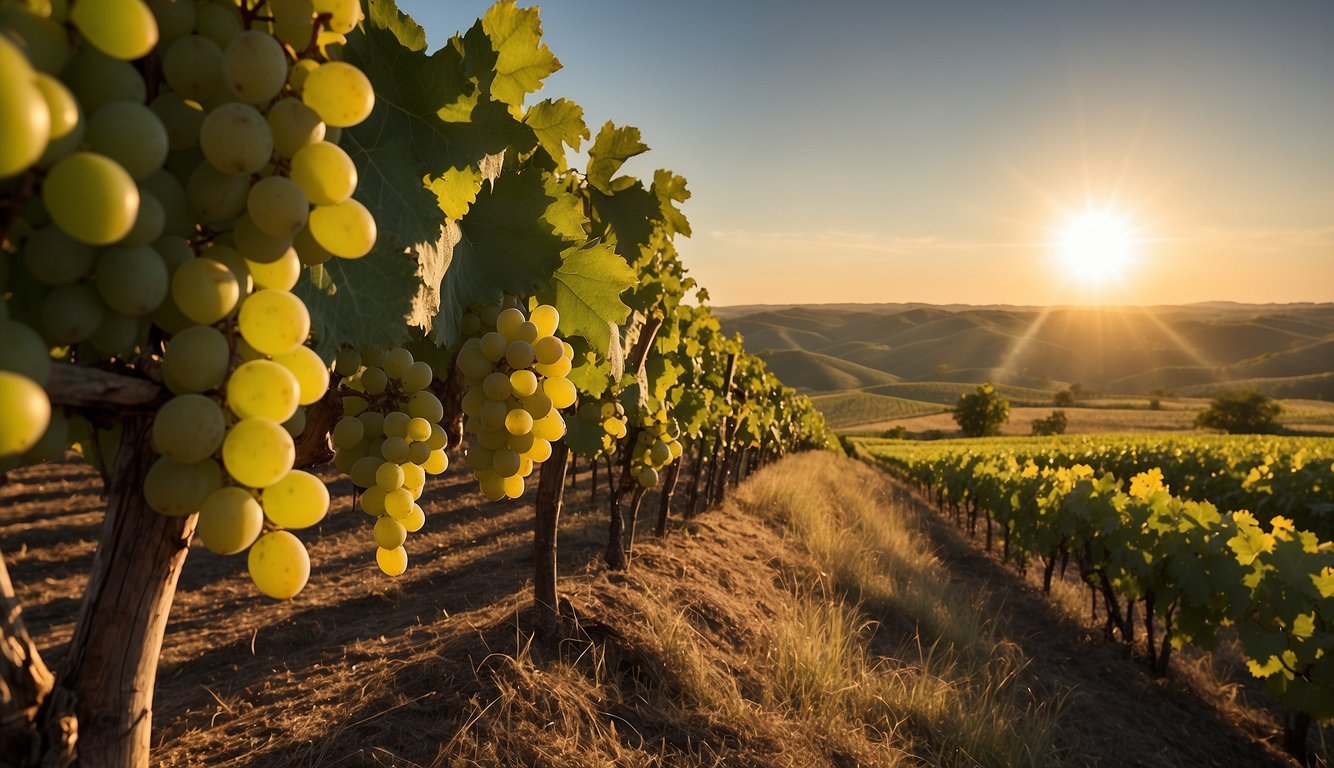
x=110, y=669
x=25, y=682
x=550, y=500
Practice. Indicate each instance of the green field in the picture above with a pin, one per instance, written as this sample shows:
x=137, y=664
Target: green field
x=849, y=409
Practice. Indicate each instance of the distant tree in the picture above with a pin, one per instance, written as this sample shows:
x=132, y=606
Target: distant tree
x=1052, y=425
x=981, y=413
x=1078, y=391
x=1064, y=398
x=1155, y=404
x=1242, y=412
x=894, y=433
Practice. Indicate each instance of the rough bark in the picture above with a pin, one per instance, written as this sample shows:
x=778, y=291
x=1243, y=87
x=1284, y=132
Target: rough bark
x=550, y=500
x=25, y=681
x=110, y=668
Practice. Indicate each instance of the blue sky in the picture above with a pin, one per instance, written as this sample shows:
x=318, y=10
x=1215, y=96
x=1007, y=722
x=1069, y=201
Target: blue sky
x=930, y=151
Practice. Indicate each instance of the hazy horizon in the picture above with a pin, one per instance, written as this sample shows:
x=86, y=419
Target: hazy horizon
x=898, y=151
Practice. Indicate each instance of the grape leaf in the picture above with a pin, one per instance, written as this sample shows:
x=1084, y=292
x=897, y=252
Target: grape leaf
x=586, y=290
x=506, y=243
x=557, y=124
x=363, y=302
x=612, y=147
x=522, y=59
x=671, y=189
x=630, y=214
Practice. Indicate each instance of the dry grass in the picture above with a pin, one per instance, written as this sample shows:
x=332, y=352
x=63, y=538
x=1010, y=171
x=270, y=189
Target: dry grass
x=941, y=685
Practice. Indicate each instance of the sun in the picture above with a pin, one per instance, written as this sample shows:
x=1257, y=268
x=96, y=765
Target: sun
x=1096, y=246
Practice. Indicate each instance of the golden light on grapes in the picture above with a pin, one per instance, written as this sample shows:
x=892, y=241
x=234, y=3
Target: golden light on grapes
x=1096, y=246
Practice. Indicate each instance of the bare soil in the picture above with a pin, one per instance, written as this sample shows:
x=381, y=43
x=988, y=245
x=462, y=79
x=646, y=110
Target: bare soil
x=433, y=668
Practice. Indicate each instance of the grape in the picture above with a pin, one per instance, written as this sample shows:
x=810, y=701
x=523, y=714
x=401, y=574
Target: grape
x=518, y=422
x=66, y=127
x=258, y=452
x=389, y=533
x=548, y=350
x=122, y=29
x=132, y=280
x=204, y=289
x=310, y=372
x=437, y=462
x=256, y=245
x=262, y=389
x=372, y=501
x=175, y=489
x=418, y=377
x=374, y=380
x=177, y=221
x=175, y=18
x=148, y=223
x=298, y=501
x=392, y=561
x=117, y=334
x=229, y=520
x=188, y=428
x=343, y=14
x=96, y=79
x=545, y=318
x=179, y=119
x=23, y=351
x=299, y=72
x=294, y=125
x=497, y=386
x=519, y=354
x=324, y=172
x=339, y=93
x=236, y=139
x=41, y=40
x=397, y=503
x=293, y=21
x=281, y=274
x=394, y=449
x=24, y=413
x=131, y=134
x=427, y=406
x=396, y=362
x=196, y=360
x=523, y=383
x=550, y=427
x=344, y=230
x=91, y=198
x=278, y=206
x=561, y=392
x=71, y=313
x=54, y=258
x=192, y=67
x=274, y=322
x=254, y=66
x=218, y=22
x=388, y=476
x=508, y=322
x=296, y=424
x=279, y=565
x=419, y=430
x=348, y=432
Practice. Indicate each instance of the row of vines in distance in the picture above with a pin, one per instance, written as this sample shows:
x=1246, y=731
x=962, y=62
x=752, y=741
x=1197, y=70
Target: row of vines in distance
x=244, y=237
x=1118, y=508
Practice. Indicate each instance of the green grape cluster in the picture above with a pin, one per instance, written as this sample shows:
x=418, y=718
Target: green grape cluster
x=388, y=440
x=192, y=213
x=515, y=372
x=606, y=418
x=656, y=445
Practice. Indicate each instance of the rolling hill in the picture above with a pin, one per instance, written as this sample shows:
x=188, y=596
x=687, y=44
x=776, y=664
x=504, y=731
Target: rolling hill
x=1126, y=350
